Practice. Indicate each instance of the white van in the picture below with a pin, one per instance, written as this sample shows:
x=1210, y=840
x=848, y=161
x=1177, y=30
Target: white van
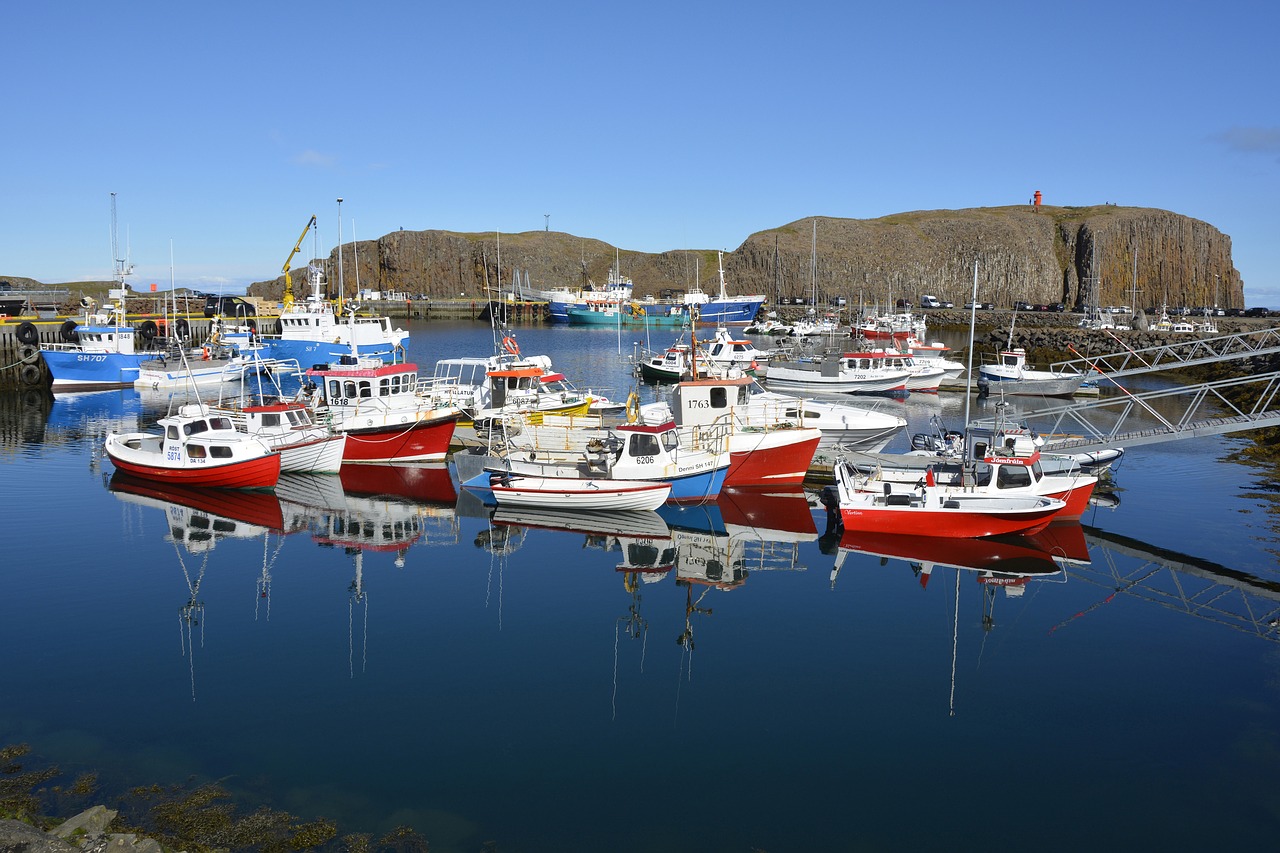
x=930, y=302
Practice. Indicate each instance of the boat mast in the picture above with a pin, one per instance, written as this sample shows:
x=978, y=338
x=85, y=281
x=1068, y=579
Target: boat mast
x=973, y=319
x=341, y=290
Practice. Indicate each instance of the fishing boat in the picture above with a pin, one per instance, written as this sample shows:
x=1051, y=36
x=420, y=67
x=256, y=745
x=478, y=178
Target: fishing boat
x=839, y=373
x=576, y=493
x=313, y=332
x=101, y=353
x=378, y=406
x=877, y=326
x=1010, y=375
x=634, y=451
x=723, y=310
x=927, y=511
x=673, y=364
x=287, y=428
x=608, y=312
x=505, y=389
x=197, y=448
x=727, y=354
x=716, y=414
x=924, y=376
x=992, y=464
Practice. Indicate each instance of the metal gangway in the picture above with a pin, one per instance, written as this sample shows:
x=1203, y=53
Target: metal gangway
x=1126, y=419
x=1205, y=410
x=1169, y=356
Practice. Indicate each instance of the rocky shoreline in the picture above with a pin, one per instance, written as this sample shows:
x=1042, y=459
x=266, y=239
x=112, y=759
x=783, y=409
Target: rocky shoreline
x=83, y=833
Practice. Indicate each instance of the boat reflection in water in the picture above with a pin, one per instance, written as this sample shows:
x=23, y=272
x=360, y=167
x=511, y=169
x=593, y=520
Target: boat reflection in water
x=1008, y=562
x=198, y=519
x=720, y=544
x=371, y=509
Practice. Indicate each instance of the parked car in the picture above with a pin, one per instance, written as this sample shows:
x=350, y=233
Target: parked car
x=1022, y=306
x=1235, y=312
x=1257, y=312
x=981, y=306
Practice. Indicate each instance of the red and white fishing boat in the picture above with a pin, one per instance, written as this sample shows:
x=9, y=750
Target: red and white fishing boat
x=378, y=406
x=995, y=463
x=887, y=327
x=928, y=511
x=716, y=414
x=196, y=447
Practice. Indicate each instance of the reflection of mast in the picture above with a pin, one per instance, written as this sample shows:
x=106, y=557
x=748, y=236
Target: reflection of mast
x=191, y=615
x=357, y=597
x=634, y=625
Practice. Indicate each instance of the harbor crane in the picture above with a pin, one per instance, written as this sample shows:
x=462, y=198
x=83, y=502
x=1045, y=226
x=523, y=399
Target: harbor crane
x=287, y=299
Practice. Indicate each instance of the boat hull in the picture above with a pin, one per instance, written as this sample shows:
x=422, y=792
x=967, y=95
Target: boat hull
x=568, y=494
x=730, y=311
x=419, y=441
x=259, y=472
x=759, y=458
x=83, y=370
x=969, y=518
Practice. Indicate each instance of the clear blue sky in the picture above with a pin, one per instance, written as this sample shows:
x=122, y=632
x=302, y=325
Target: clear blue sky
x=653, y=126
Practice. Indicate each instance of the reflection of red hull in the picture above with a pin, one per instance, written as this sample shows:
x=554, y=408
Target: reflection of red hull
x=1064, y=540
x=423, y=441
x=257, y=508
x=784, y=509
x=775, y=458
x=421, y=483
x=1020, y=556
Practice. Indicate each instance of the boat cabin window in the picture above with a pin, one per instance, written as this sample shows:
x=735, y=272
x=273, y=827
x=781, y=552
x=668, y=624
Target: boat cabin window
x=1012, y=477
x=298, y=417
x=349, y=388
x=195, y=427
x=719, y=398
x=171, y=432
x=1010, y=360
x=982, y=474
x=220, y=451
x=195, y=451
x=271, y=419
x=671, y=440
x=220, y=423
x=716, y=350
x=643, y=444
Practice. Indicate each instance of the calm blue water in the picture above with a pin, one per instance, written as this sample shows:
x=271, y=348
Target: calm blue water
x=509, y=684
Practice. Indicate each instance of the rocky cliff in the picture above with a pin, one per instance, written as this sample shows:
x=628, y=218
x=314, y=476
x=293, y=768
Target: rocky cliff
x=1039, y=255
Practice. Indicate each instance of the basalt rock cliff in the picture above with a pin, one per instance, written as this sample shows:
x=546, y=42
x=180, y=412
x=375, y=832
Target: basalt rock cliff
x=1074, y=255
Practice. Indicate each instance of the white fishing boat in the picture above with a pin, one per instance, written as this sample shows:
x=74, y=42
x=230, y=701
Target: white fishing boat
x=1010, y=375
x=576, y=493
x=844, y=373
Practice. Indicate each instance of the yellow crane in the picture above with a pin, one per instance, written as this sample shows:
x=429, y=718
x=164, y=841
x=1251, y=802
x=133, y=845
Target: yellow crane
x=287, y=300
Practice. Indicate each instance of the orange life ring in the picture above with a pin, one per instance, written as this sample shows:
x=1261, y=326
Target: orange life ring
x=204, y=355
x=509, y=344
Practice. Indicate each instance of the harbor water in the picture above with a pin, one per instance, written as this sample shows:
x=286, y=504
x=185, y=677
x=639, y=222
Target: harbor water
x=378, y=651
